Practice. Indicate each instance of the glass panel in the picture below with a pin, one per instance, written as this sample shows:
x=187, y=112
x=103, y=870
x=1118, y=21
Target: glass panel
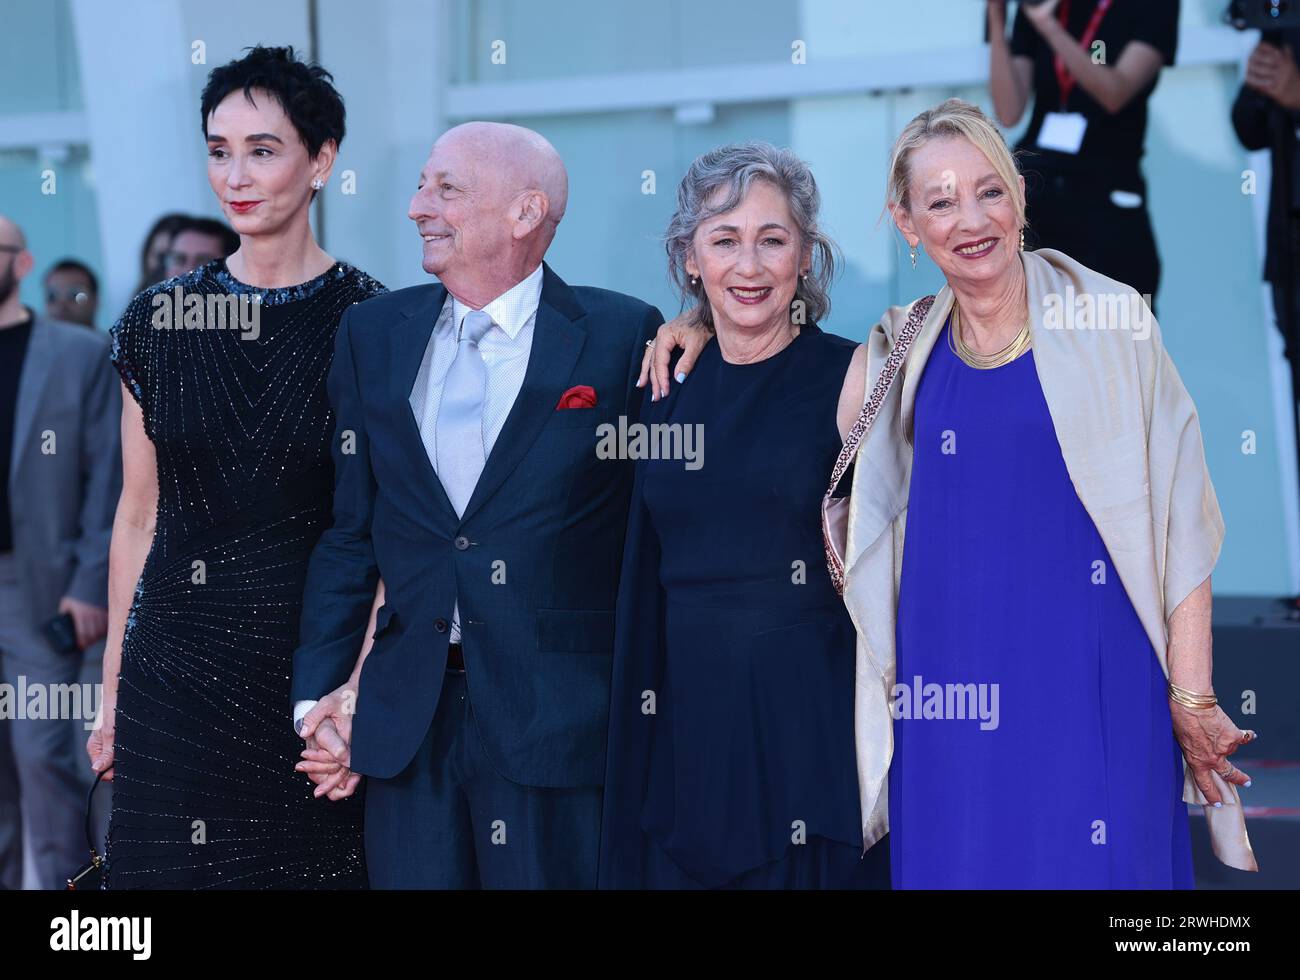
x=59, y=225
x=598, y=37
x=38, y=58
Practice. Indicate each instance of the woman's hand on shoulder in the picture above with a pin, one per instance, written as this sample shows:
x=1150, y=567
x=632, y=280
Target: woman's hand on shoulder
x=686, y=331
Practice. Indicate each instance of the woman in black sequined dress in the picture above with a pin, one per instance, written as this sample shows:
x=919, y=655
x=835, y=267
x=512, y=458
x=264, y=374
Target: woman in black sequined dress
x=228, y=484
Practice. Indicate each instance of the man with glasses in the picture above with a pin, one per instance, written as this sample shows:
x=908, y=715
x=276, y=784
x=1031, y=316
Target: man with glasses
x=71, y=293
x=60, y=478
x=197, y=242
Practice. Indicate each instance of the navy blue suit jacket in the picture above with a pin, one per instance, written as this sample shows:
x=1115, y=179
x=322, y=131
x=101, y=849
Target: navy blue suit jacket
x=534, y=560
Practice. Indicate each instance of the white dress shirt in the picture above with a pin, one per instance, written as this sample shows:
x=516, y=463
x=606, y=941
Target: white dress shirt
x=505, y=349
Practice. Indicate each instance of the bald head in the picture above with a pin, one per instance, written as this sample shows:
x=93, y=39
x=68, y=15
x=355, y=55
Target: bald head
x=514, y=159
x=11, y=234
x=15, y=263
x=489, y=200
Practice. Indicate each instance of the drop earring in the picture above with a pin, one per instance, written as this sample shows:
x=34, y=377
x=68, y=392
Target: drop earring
x=1022, y=239
x=913, y=256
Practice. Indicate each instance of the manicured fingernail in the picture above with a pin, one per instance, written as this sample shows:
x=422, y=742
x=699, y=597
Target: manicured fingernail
x=1218, y=806
x=680, y=377
x=654, y=396
x=1247, y=783
x=640, y=384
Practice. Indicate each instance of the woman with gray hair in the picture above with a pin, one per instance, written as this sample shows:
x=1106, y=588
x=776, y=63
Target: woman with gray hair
x=731, y=757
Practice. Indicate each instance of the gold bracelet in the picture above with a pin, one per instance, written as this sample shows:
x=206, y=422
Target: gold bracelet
x=1190, y=699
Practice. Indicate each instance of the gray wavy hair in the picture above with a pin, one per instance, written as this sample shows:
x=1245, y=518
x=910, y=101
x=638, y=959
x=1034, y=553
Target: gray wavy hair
x=736, y=166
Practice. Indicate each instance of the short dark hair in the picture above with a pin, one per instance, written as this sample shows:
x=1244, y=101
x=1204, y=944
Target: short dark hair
x=304, y=92
x=219, y=230
x=74, y=265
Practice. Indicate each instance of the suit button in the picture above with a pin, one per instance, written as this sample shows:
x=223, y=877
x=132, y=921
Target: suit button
x=440, y=625
x=461, y=543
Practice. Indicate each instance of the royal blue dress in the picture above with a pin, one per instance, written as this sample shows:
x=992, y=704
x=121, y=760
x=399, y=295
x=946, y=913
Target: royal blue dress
x=731, y=751
x=1064, y=771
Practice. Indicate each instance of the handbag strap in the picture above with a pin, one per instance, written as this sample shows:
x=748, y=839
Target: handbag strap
x=90, y=803
x=870, y=408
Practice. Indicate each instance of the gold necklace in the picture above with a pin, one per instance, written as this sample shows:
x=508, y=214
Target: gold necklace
x=984, y=362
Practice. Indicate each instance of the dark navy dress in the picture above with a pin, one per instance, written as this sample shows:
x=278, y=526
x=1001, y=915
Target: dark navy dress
x=1067, y=773
x=731, y=751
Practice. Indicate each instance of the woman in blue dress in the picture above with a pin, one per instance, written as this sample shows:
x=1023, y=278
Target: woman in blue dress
x=1036, y=735
x=731, y=755
x=1007, y=585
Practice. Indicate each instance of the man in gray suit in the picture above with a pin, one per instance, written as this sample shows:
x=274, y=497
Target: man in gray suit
x=60, y=476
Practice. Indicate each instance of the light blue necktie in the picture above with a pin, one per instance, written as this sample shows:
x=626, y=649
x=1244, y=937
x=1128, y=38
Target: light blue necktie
x=459, y=434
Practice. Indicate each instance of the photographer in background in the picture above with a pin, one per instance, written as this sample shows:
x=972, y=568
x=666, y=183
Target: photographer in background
x=1091, y=67
x=1265, y=115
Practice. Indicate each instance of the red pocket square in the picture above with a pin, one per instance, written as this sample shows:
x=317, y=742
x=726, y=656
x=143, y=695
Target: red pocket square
x=579, y=396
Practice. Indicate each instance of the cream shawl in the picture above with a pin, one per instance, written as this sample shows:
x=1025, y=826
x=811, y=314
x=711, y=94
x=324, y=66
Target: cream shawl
x=1132, y=445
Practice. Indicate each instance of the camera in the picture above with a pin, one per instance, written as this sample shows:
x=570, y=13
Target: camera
x=1260, y=15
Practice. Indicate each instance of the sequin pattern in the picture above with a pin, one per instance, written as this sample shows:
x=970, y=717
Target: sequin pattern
x=205, y=793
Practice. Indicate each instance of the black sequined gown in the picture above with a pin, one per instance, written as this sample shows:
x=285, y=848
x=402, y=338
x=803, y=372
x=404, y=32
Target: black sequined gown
x=205, y=793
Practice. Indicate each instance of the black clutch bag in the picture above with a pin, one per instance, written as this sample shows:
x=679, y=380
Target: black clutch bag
x=61, y=634
x=91, y=875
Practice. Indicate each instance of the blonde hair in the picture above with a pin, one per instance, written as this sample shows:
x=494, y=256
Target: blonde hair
x=952, y=118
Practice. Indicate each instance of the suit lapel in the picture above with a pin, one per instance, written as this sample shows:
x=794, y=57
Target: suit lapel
x=557, y=342
x=37, y=364
x=411, y=337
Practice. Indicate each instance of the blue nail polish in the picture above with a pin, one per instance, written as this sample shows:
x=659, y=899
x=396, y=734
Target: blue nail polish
x=1218, y=806
x=680, y=377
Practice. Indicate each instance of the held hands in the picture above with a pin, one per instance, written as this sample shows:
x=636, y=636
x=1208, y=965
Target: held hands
x=327, y=731
x=1207, y=737
x=90, y=622
x=1272, y=71
x=686, y=332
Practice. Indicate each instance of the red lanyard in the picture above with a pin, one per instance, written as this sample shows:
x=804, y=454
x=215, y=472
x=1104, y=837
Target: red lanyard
x=1064, y=79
